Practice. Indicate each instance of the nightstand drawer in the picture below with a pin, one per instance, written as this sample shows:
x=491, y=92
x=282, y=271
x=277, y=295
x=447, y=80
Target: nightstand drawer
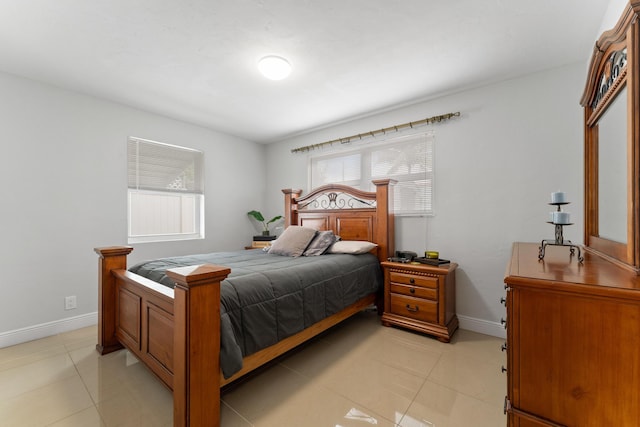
x=414, y=291
x=411, y=279
x=415, y=308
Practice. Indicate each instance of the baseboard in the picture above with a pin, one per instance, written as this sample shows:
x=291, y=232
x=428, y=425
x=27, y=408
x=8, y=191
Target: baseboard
x=481, y=326
x=43, y=330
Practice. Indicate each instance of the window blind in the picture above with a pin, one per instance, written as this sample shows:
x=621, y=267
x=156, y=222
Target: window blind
x=161, y=167
x=408, y=159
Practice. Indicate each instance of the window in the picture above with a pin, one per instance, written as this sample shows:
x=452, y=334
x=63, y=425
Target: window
x=408, y=160
x=166, y=192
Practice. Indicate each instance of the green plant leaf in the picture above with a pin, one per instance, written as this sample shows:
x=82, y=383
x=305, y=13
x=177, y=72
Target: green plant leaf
x=275, y=218
x=257, y=215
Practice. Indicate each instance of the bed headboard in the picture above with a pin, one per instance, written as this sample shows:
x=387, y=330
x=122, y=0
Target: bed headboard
x=350, y=213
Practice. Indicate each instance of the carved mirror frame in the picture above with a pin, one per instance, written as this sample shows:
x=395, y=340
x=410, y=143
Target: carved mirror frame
x=613, y=76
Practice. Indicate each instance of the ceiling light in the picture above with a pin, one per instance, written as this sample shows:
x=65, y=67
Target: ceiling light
x=274, y=67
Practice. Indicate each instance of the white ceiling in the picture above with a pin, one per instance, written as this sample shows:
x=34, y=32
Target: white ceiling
x=195, y=60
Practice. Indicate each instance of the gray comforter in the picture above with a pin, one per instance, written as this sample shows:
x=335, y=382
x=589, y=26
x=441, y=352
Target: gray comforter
x=267, y=297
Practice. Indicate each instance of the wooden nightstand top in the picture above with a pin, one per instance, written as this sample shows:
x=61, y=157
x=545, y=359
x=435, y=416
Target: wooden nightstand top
x=439, y=269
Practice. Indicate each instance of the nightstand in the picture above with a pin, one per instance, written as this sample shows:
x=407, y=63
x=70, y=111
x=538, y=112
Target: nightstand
x=421, y=297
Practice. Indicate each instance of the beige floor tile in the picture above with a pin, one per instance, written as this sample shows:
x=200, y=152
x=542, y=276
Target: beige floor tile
x=230, y=418
x=104, y=384
x=426, y=340
x=374, y=385
x=80, y=334
x=279, y=397
x=153, y=398
x=87, y=418
x=51, y=403
x=479, y=346
x=126, y=409
x=405, y=351
x=360, y=326
x=317, y=407
x=322, y=357
x=24, y=378
x=29, y=347
x=264, y=391
x=80, y=338
x=35, y=350
x=109, y=375
x=476, y=377
x=29, y=352
x=29, y=358
x=439, y=406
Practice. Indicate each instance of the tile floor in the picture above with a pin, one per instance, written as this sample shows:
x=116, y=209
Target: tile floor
x=358, y=374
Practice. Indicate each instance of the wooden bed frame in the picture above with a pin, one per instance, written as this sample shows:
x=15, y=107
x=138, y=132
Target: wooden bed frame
x=174, y=331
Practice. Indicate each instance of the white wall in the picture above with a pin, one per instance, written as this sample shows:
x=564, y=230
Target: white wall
x=63, y=175
x=496, y=165
x=612, y=15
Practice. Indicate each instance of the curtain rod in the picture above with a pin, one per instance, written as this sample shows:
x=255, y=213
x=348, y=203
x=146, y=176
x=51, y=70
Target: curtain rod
x=395, y=128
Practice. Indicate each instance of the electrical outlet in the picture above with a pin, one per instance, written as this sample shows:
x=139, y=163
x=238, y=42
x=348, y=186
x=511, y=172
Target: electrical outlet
x=70, y=302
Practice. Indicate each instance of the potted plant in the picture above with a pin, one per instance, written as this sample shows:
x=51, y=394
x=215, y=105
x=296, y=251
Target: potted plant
x=265, y=224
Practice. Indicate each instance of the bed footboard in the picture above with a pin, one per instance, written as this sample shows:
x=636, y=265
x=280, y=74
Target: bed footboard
x=171, y=330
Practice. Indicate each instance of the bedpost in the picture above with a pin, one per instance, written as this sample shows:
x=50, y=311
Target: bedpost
x=196, y=344
x=385, y=222
x=111, y=258
x=290, y=208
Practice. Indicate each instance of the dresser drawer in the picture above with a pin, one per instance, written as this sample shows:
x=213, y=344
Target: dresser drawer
x=411, y=279
x=415, y=308
x=414, y=291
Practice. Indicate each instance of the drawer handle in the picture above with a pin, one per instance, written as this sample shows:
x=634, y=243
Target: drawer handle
x=412, y=290
x=412, y=309
x=412, y=280
x=503, y=300
x=503, y=321
x=504, y=369
x=504, y=347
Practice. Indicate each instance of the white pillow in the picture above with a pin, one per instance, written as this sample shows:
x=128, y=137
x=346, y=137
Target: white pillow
x=293, y=241
x=351, y=247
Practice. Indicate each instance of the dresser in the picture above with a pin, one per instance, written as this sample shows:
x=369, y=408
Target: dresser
x=421, y=297
x=573, y=340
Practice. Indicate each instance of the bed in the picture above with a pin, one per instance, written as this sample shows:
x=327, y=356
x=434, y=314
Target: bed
x=177, y=331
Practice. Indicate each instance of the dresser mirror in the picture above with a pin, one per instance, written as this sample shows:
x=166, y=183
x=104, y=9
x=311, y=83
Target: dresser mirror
x=612, y=128
x=612, y=170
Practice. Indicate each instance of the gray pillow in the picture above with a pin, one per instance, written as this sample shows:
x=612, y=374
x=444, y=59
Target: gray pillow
x=293, y=241
x=320, y=243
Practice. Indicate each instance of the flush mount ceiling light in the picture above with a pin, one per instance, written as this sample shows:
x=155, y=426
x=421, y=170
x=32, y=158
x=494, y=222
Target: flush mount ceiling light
x=274, y=67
